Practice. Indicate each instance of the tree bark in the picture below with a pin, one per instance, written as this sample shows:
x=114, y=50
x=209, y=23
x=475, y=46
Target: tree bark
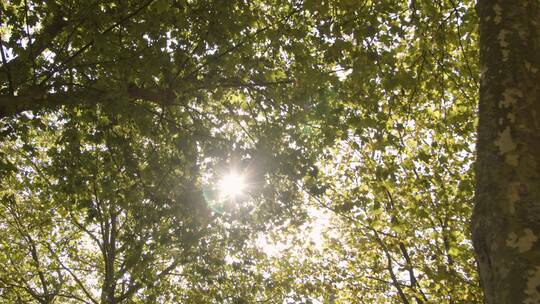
x=40, y=99
x=506, y=218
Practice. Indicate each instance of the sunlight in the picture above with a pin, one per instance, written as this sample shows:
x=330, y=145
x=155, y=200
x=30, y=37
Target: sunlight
x=232, y=185
x=312, y=233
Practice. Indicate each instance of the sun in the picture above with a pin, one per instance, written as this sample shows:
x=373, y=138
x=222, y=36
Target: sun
x=232, y=185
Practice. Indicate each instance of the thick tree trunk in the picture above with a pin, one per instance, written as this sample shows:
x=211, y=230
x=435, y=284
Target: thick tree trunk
x=506, y=219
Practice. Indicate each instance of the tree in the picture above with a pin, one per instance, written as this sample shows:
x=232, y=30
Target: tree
x=118, y=119
x=400, y=181
x=505, y=225
x=77, y=53
x=132, y=106
x=98, y=198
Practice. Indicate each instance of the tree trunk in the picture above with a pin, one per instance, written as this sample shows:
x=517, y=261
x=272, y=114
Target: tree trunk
x=506, y=219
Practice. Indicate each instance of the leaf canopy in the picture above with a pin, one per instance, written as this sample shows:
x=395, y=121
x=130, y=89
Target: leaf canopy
x=351, y=121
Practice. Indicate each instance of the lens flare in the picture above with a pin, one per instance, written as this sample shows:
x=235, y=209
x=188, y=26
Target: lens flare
x=232, y=185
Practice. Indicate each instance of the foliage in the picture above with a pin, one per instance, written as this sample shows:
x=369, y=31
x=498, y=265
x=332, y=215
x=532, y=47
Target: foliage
x=119, y=118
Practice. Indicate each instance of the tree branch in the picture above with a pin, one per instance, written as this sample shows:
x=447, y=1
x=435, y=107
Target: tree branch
x=25, y=60
x=92, y=41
